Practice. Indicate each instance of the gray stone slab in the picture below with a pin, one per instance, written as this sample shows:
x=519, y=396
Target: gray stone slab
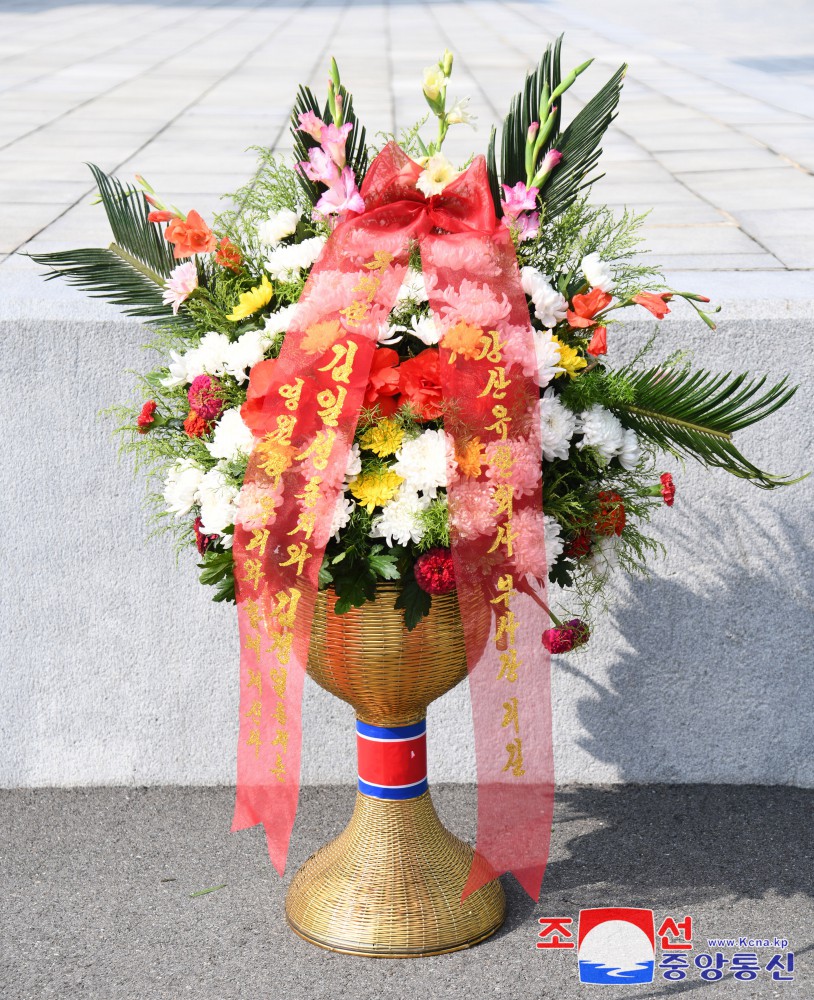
x=788, y=234
x=97, y=894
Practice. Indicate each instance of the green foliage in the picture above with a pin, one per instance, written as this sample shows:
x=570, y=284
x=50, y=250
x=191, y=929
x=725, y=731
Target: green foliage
x=217, y=570
x=696, y=413
x=414, y=601
x=130, y=273
x=435, y=525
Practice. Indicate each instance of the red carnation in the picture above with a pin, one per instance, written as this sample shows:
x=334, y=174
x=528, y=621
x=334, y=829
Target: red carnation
x=668, y=490
x=435, y=572
x=598, y=344
x=581, y=631
x=564, y=638
x=656, y=304
x=610, y=518
x=195, y=425
x=383, y=382
x=585, y=307
x=204, y=398
x=202, y=541
x=228, y=255
x=189, y=236
x=420, y=384
x=147, y=416
x=579, y=546
x=255, y=410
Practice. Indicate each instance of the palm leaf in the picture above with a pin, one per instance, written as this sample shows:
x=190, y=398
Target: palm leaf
x=132, y=271
x=580, y=147
x=696, y=413
x=355, y=149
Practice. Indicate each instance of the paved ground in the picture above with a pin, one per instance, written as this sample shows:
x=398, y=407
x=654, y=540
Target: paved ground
x=96, y=891
x=715, y=129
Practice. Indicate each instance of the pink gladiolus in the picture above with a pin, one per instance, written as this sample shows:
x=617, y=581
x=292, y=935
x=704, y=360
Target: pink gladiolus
x=333, y=142
x=527, y=225
x=320, y=167
x=312, y=125
x=182, y=282
x=550, y=160
x=341, y=197
x=518, y=199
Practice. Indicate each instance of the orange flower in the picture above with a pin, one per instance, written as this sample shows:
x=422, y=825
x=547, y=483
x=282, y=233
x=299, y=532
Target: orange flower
x=463, y=339
x=585, y=307
x=656, y=304
x=320, y=336
x=383, y=382
x=228, y=255
x=189, y=236
x=420, y=384
x=598, y=344
x=610, y=518
x=195, y=425
x=253, y=410
x=470, y=458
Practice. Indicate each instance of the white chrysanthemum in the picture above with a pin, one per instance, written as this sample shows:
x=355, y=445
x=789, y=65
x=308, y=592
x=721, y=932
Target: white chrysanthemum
x=354, y=466
x=342, y=512
x=557, y=426
x=426, y=329
x=232, y=438
x=244, y=353
x=601, y=431
x=604, y=556
x=278, y=322
x=209, y=358
x=597, y=272
x=181, y=486
x=549, y=306
x=547, y=357
x=218, y=501
x=553, y=540
x=422, y=462
x=286, y=262
x=388, y=335
x=400, y=519
x=277, y=226
x=413, y=287
x=631, y=453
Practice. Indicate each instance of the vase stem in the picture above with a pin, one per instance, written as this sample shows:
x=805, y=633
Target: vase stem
x=392, y=760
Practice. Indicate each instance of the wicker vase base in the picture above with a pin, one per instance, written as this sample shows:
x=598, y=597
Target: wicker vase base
x=390, y=885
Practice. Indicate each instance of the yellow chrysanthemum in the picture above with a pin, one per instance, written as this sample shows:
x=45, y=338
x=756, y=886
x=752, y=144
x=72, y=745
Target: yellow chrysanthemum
x=383, y=438
x=470, y=458
x=570, y=359
x=375, y=488
x=252, y=300
x=320, y=336
x=464, y=339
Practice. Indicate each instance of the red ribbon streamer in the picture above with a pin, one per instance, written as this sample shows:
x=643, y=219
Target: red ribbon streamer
x=304, y=421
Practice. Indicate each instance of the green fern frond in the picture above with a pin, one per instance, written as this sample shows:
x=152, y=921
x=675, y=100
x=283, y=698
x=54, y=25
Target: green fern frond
x=695, y=413
x=355, y=148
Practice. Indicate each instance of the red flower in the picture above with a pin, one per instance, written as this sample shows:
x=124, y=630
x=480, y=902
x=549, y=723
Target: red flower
x=147, y=416
x=581, y=631
x=579, y=546
x=204, y=398
x=383, y=382
x=668, y=490
x=421, y=384
x=254, y=411
x=161, y=216
x=202, y=541
x=598, y=344
x=585, y=307
x=656, y=304
x=228, y=255
x=435, y=571
x=189, y=236
x=195, y=425
x=610, y=518
x=566, y=637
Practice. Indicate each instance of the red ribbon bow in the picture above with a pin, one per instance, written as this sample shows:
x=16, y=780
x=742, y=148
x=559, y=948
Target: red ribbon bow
x=304, y=427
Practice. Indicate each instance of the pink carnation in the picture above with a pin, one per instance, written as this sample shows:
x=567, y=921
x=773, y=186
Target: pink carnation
x=182, y=282
x=435, y=571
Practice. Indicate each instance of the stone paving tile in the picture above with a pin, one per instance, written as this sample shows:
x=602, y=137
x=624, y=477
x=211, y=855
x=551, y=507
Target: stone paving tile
x=715, y=125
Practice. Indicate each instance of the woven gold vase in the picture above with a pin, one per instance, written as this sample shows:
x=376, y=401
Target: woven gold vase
x=390, y=884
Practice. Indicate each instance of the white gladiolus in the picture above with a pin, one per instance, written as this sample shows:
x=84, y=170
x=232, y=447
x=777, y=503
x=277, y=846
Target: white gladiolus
x=550, y=307
x=232, y=438
x=601, y=431
x=181, y=486
x=277, y=226
x=597, y=272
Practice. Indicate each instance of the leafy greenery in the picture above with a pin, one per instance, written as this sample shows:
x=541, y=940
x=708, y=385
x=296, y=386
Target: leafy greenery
x=217, y=570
